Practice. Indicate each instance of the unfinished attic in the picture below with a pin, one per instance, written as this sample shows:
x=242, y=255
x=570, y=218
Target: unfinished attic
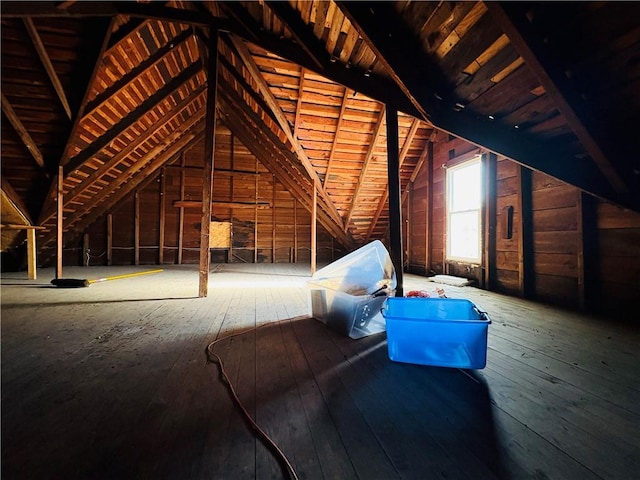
x=210, y=157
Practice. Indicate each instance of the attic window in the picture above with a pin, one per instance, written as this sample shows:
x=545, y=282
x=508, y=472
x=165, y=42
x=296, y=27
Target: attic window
x=464, y=187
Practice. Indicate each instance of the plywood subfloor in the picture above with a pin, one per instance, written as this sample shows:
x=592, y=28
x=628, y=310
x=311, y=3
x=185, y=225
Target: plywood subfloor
x=111, y=381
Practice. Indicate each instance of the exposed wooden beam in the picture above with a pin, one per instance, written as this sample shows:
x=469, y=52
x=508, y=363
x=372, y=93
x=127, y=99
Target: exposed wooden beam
x=380, y=56
x=332, y=152
x=48, y=66
x=512, y=20
x=377, y=131
x=299, y=103
x=156, y=11
x=304, y=36
x=17, y=125
x=216, y=203
x=271, y=100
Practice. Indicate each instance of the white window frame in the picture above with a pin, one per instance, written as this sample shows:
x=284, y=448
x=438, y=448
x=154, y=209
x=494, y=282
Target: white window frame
x=450, y=212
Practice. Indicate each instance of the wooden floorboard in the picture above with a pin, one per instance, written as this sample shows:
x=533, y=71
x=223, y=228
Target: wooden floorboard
x=111, y=381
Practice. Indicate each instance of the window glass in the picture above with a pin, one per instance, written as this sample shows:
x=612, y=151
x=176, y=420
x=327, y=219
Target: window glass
x=464, y=198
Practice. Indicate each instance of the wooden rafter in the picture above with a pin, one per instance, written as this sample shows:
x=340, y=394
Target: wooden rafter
x=283, y=122
x=299, y=103
x=242, y=82
x=16, y=123
x=48, y=66
x=332, y=152
x=377, y=131
x=108, y=27
x=380, y=57
x=133, y=116
x=145, y=66
x=303, y=36
x=518, y=29
x=218, y=203
x=158, y=125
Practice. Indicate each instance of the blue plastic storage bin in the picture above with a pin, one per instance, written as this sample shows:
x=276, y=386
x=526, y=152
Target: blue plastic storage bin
x=443, y=332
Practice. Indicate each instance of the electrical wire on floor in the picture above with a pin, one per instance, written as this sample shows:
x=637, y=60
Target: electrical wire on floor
x=213, y=357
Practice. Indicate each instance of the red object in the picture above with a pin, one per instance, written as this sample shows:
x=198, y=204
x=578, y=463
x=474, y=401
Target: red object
x=418, y=293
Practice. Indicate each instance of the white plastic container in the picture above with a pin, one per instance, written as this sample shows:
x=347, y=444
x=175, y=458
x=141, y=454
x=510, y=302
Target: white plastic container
x=347, y=295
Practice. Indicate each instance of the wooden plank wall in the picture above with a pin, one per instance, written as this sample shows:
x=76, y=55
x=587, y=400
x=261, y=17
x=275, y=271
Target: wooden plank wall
x=283, y=229
x=555, y=240
x=565, y=261
x=618, y=250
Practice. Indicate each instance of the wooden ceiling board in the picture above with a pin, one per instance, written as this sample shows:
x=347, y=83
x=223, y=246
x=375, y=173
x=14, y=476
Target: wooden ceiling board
x=152, y=65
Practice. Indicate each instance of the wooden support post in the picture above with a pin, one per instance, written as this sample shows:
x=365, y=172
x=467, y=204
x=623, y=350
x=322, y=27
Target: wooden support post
x=525, y=229
x=136, y=228
x=59, y=220
x=161, y=227
x=314, y=226
x=588, y=272
x=273, y=222
x=207, y=174
x=109, y=239
x=407, y=224
x=255, y=217
x=31, y=253
x=295, y=231
x=181, y=211
x=490, y=164
x=230, y=252
x=429, y=209
x=395, y=199
x=85, y=249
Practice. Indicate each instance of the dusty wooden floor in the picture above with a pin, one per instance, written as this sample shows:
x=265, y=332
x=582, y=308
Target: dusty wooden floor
x=110, y=381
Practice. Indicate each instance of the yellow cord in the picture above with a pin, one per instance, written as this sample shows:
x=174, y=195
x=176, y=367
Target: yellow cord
x=213, y=357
